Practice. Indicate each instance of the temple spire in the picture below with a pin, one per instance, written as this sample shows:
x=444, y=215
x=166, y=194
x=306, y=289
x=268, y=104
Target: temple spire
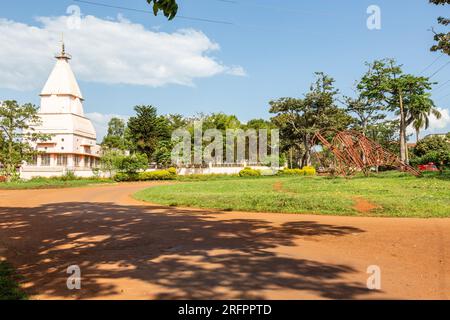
x=63, y=54
x=62, y=81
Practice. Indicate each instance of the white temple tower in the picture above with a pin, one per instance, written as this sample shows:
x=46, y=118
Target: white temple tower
x=72, y=146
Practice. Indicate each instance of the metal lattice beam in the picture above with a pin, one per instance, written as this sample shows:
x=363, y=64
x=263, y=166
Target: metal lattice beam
x=355, y=152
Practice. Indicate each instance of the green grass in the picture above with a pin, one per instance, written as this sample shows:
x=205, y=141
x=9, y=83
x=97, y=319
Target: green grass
x=395, y=195
x=9, y=287
x=50, y=184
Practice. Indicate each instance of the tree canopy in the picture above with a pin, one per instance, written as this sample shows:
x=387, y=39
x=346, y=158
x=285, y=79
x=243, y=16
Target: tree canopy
x=168, y=7
x=16, y=133
x=146, y=129
x=442, y=38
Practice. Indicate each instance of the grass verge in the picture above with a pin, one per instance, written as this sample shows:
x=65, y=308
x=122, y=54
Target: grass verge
x=50, y=184
x=389, y=195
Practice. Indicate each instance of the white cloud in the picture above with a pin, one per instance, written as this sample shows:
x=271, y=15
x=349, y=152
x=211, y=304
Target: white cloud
x=236, y=71
x=113, y=51
x=100, y=122
x=442, y=123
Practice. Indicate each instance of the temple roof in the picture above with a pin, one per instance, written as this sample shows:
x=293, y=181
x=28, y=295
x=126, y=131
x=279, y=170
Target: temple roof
x=62, y=80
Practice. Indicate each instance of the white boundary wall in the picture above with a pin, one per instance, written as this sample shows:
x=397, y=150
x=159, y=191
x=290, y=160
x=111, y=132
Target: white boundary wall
x=28, y=172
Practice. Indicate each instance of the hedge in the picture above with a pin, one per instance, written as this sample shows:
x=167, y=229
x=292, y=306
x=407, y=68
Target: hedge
x=249, y=172
x=169, y=174
x=306, y=171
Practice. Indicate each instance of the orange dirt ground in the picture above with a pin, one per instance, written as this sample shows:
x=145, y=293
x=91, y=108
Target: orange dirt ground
x=127, y=249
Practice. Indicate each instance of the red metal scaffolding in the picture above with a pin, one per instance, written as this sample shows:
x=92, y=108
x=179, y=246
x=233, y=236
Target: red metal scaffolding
x=354, y=152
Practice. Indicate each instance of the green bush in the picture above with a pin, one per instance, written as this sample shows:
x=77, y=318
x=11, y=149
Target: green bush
x=249, y=172
x=133, y=163
x=69, y=176
x=156, y=175
x=123, y=177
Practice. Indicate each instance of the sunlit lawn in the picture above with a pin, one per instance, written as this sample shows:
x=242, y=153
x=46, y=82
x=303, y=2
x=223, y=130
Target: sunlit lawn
x=393, y=194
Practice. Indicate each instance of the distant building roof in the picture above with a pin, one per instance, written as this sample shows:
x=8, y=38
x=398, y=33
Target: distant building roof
x=435, y=134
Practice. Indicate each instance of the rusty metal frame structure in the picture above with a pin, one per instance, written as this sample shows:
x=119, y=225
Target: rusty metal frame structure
x=354, y=152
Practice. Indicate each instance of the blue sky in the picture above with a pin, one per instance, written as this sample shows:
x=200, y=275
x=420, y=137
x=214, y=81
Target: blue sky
x=278, y=48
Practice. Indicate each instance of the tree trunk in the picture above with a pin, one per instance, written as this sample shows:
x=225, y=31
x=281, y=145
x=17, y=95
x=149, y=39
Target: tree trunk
x=9, y=160
x=402, y=130
x=307, y=156
x=406, y=149
x=290, y=157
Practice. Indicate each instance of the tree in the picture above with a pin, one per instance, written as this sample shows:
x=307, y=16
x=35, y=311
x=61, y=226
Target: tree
x=115, y=139
x=111, y=160
x=147, y=129
x=386, y=134
x=419, y=117
x=434, y=149
x=300, y=119
x=176, y=121
x=368, y=110
x=168, y=7
x=133, y=163
x=258, y=124
x=163, y=153
x=16, y=134
x=429, y=144
x=442, y=39
x=401, y=93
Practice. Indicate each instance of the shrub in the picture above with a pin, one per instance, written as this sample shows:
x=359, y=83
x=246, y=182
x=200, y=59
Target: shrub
x=306, y=171
x=292, y=172
x=122, y=177
x=249, y=172
x=437, y=157
x=156, y=175
x=309, y=171
x=68, y=176
x=2, y=179
x=172, y=171
x=267, y=172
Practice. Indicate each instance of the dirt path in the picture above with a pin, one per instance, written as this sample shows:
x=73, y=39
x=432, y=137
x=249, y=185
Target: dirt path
x=129, y=250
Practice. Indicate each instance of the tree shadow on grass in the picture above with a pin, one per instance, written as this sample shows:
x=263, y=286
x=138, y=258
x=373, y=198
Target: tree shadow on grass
x=186, y=254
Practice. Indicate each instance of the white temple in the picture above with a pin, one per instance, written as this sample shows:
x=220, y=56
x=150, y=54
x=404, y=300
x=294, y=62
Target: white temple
x=73, y=143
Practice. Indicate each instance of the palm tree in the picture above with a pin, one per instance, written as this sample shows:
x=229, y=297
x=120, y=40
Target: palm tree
x=419, y=118
x=419, y=109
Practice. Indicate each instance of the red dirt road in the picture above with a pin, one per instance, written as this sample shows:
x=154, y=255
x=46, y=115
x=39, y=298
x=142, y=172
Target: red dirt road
x=131, y=250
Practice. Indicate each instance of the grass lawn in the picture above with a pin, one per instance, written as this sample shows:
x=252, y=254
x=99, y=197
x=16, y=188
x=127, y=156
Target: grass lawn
x=9, y=288
x=50, y=184
x=389, y=194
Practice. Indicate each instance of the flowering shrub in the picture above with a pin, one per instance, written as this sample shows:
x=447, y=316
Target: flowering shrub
x=306, y=171
x=172, y=171
x=309, y=171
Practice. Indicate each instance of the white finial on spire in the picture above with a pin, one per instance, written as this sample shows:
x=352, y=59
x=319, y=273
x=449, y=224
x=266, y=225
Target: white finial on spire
x=63, y=54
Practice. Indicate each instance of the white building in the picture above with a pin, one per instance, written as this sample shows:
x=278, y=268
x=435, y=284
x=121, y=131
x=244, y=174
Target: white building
x=73, y=143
